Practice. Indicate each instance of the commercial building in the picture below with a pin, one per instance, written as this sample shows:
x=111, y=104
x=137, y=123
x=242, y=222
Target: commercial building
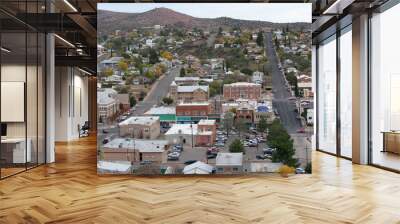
x=135, y=150
x=192, y=112
x=194, y=93
x=242, y=90
x=201, y=134
x=143, y=127
x=229, y=163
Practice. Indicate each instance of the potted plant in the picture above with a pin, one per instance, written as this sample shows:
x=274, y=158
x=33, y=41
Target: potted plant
x=286, y=170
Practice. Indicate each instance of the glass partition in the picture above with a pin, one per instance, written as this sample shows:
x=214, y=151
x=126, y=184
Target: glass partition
x=346, y=92
x=327, y=95
x=385, y=89
x=22, y=92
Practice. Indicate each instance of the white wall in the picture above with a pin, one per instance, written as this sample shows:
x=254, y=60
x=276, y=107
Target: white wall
x=71, y=103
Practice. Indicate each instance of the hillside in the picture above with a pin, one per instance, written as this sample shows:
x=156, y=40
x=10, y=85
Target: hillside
x=109, y=21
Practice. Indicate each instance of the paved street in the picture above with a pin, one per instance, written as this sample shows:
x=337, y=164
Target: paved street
x=158, y=91
x=280, y=101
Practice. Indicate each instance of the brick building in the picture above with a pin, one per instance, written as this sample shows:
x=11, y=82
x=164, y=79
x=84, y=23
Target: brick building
x=192, y=112
x=242, y=90
x=189, y=93
x=144, y=127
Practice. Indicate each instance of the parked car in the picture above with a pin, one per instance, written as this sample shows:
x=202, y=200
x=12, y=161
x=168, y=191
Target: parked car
x=145, y=162
x=301, y=130
x=219, y=144
x=106, y=140
x=268, y=151
x=261, y=157
x=105, y=131
x=300, y=170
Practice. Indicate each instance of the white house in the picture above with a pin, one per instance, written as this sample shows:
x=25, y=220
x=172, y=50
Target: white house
x=229, y=163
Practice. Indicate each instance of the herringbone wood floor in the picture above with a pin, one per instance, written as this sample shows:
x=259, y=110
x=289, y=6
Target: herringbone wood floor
x=70, y=191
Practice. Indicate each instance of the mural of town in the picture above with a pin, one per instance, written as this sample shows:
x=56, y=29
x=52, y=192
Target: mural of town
x=180, y=94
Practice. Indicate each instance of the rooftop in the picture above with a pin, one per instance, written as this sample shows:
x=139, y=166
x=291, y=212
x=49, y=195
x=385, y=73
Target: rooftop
x=187, y=79
x=184, y=129
x=188, y=89
x=144, y=120
x=206, y=103
x=161, y=110
x=242, y=84
x=229, y=159
x=138, y=144
x=206, y=122
x=198, y=168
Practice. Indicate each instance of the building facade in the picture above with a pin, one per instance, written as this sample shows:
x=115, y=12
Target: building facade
x=242, y=90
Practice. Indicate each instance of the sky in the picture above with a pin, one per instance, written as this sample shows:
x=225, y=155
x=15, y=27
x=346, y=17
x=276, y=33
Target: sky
x=272, y=12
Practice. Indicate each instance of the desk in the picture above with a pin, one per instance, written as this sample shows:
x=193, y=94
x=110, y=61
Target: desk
x=391, y=141
x=13, y=150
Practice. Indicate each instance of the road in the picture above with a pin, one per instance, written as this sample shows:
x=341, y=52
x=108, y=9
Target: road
x=157, y=92
x=280, y=100
x=155, y=95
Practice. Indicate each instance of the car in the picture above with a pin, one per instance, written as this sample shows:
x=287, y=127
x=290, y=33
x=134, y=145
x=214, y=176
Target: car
x=292, y=98
x=301, y=130
x=105, y=131
x=106, y=140
x=219, y=144
x=261, y=157
x=268, y=151
x=245, y=144
x=188, y=162
x=299, y=170
x=145, y=162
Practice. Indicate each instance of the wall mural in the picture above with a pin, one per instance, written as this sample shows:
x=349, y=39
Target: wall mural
x=204, y=88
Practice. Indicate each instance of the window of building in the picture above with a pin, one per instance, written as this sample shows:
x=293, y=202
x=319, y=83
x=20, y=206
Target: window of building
x=327, y=95
x=385, y=89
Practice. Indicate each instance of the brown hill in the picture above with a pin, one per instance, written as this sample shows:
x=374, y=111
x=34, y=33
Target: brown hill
x=109, y=21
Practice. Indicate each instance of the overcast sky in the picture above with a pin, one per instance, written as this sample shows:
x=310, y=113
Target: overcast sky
x=273, y=12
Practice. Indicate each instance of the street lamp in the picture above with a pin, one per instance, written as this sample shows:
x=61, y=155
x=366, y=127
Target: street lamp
x=191, y=126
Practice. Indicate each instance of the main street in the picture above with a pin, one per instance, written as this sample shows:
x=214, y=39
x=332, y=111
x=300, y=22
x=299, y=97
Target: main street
x=158, y=91
x=285, y=108
x=154, y=97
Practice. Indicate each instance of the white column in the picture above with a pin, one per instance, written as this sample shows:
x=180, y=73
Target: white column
x=360, y=90
x=50, y=99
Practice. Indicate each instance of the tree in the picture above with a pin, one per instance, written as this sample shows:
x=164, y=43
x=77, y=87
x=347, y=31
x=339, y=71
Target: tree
x=260, y=39
x=236, y=146
x=215, y=87
x=132, y=101
x=182, y=73
x=153, y=57
x=108, y=72
x=167, y=55
x=123, y=66
x=167, y=100
x=246, y=71
x=227, y=122
x=262, y=125
x=240, y=125
x=279, y=138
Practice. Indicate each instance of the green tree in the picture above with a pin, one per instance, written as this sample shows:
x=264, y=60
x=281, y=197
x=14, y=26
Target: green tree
x=262, y=125
x=153, y=57
x=132, y=101
x=279, y=138
x=246, y=71
x=215, y=87
x=182, y=73
x=167, y=100
x=240, y=125
x=236, y=146
x=260, y=39
x=227, y=122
